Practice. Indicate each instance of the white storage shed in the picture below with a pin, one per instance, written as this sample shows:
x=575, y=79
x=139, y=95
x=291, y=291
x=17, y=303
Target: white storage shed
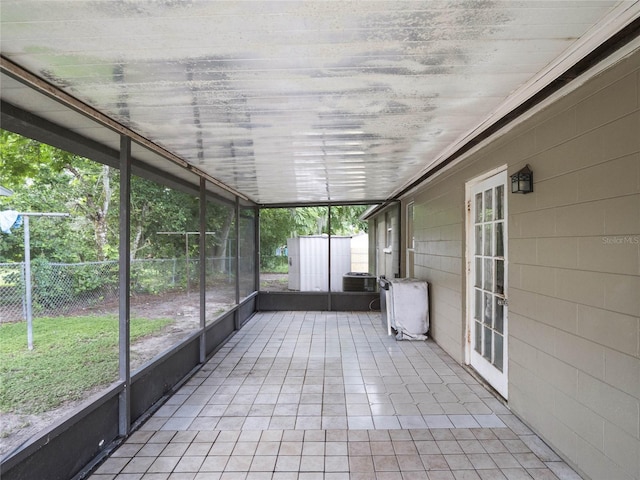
x=308, y=260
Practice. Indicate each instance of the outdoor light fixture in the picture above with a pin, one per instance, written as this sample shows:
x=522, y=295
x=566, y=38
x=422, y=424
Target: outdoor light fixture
x=522, y=181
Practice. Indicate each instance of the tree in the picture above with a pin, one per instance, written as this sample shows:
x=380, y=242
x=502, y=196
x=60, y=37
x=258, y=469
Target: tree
x=22, y=158
x=278, y=224
x=157, y=208
x=345, y=220
x=93, y=197
x=221, y=225
x=47, y=179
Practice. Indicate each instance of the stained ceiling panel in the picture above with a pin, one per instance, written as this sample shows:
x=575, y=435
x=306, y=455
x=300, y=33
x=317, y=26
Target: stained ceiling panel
x=298, y=102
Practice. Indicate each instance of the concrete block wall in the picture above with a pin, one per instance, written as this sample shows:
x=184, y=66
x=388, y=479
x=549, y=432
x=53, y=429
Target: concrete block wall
x=574, y=269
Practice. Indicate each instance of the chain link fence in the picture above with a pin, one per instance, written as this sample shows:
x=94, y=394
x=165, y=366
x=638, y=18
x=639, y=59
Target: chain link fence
x=63, y=288
x=12, y=306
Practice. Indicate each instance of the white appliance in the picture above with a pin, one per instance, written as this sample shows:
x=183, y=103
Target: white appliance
x=407, y=308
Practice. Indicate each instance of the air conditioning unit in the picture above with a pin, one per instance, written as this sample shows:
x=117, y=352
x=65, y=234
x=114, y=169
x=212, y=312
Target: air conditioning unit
x=359, y=282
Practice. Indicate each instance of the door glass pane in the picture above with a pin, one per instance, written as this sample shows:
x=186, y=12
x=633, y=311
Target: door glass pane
x=488, y=234
x=499, y=276
x=478, y=207
x=499, y=287
x=487, y=314
x=499, y=240
x=498, y=350
x=498, y=311
x=488, y=205
x=486, y=350
x=479, y=240
x=500, y=202
x=488, y=274
x=478, y=306
x=478, y=281
x=478, y=337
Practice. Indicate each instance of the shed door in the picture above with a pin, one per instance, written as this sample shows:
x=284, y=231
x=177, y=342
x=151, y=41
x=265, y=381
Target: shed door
x=487, y=322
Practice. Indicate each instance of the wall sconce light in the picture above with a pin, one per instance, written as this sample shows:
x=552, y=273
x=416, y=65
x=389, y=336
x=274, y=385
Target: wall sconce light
x=522, y=181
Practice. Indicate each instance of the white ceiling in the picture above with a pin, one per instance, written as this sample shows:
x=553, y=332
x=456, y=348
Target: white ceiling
x=299, y=101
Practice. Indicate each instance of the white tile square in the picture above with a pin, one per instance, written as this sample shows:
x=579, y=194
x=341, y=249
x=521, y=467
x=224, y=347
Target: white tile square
x=386, y=422
x=308, y=422
x=177, y=423
x=312, y=463
x=412, y=421
x=288, y=463
x=334, y=463
x=311, y=409
x=464, y=421
x=256, y=423
x=282, y=423
x=489, y=421
x=334, y=422
x=360, y=422
x=230, y=423
x=263, y=463
x=285, y=409
x=437, y=421
x=238, y=463
x=214, y=463
x=358, y=409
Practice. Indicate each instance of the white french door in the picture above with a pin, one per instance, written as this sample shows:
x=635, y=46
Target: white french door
x=487, y=280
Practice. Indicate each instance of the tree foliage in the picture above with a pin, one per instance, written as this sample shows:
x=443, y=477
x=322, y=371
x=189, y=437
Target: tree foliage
x=22, y=158
x=279, y=224
x=155, y=209
x=47, y=179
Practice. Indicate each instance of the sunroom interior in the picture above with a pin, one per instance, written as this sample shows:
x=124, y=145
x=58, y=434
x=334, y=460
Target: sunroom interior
x=249, y=106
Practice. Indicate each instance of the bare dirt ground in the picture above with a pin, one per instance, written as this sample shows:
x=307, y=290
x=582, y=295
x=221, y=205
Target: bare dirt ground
x=183, y=309
x=274, y=282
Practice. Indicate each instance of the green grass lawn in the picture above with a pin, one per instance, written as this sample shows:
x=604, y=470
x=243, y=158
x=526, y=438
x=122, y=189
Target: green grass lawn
x=70, y=356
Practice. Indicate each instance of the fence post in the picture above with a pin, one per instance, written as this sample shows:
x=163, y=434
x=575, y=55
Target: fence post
x=27, y=281
x=27, y=263
x=23, y=293
x=173, y=273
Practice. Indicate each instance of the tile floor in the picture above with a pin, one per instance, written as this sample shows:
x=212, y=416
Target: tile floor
x=315, y=395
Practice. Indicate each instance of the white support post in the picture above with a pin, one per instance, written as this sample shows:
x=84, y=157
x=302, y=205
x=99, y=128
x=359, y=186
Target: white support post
x=28, y=294
x=27, y=282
